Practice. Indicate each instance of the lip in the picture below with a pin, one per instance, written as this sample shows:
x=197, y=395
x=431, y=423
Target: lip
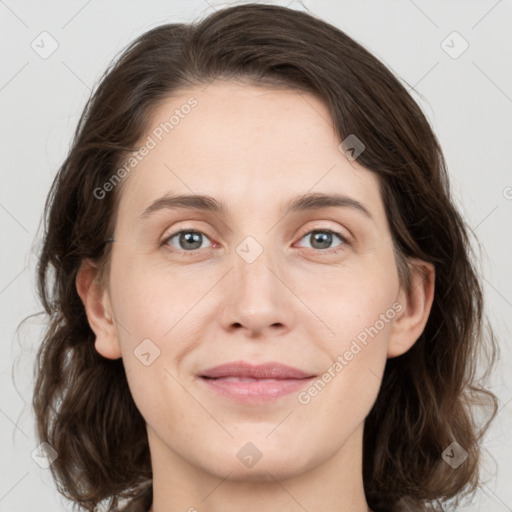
x=247, y=383
x=242, y=369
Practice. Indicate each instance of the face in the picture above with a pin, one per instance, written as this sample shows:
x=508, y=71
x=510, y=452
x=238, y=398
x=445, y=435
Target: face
x=313, y=287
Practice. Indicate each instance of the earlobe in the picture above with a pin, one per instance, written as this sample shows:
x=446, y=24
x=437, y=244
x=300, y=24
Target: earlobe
x=416, y=305
x=98, y=309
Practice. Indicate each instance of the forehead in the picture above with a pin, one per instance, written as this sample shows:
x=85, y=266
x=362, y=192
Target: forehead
x=249, y=146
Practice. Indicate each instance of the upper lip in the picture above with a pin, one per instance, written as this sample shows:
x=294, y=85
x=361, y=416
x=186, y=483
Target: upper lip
x=242, y=369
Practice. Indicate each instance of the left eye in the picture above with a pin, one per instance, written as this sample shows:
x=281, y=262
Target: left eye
x=322, y=238
x=189, y=240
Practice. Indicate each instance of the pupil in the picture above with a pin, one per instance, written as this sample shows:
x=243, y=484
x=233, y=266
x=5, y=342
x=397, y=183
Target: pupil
x=191, y=237
x=324, y=239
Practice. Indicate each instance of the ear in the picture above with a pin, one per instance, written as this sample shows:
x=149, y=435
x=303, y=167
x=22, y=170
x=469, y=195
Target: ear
x=98, y=309
x=410, y=322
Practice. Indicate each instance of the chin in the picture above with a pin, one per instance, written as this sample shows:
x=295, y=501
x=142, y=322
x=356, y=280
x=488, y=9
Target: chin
x=273, y=464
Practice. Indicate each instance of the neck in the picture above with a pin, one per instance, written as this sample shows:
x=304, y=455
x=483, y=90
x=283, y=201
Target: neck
x=333, y=484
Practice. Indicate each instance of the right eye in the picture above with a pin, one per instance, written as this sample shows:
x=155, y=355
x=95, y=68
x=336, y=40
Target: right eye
x=187, y=240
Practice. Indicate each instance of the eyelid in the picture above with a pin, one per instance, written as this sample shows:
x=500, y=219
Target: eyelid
x=176, y=230
x=344, y=234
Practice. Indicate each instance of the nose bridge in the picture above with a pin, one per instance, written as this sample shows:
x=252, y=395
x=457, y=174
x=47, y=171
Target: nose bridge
x=256, y=301
x=253, y=264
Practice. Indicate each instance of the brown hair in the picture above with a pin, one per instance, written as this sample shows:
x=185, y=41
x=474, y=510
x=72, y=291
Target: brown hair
x=82, y=402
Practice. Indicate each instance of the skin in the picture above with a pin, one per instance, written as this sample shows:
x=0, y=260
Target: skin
x=253, y=148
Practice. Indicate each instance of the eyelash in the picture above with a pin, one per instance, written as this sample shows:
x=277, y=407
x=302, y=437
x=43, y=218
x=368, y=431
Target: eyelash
x=316, y=230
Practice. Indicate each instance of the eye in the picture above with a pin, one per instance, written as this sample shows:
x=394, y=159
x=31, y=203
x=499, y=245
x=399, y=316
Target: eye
x=188, y=240
x=321, y=239
x=191, y=241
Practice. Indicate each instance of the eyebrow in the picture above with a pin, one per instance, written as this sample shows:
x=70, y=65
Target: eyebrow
x=306, y=202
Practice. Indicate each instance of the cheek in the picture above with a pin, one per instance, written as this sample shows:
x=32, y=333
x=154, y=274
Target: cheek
x=352, y=303
x=157, y=313
x=359, y=311
x=150, y=299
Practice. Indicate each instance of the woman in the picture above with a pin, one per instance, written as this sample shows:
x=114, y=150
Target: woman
x=315, y=347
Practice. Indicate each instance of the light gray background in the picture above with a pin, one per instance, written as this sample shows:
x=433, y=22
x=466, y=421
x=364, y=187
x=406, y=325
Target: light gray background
x=467, y=99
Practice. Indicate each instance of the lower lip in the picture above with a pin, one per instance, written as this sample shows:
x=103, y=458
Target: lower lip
x=256, y=391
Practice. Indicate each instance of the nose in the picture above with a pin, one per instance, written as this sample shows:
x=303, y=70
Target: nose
x=259, y=298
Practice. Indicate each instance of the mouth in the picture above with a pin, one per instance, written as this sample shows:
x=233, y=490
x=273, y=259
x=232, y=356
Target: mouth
x=246, y=383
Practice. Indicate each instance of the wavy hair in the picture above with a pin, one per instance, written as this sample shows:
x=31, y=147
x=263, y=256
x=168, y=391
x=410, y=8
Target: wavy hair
x=83, y=405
